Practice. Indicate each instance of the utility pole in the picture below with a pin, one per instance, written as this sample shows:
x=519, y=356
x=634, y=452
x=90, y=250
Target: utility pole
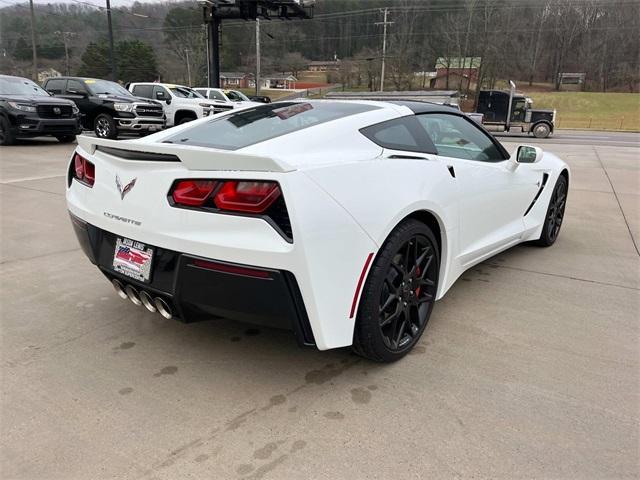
x=34, y=43
x=186, y=52
x=65, y=38
x=257, y=56
x=384, y=45
x=112, y=61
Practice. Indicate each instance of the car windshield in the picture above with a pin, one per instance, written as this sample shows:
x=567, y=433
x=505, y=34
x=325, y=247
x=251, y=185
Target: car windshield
x=236, y=96
x=255, y=125
x=105, y=87
x=184, y=92
x=20, y=86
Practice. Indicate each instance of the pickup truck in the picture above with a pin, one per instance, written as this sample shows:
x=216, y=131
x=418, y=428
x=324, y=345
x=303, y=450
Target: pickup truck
x=26, y=110
x=227, y=98
x=106, y=107
x=181, y=104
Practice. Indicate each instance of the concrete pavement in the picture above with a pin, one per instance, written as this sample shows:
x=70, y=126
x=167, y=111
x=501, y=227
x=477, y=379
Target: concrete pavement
x=529, y=368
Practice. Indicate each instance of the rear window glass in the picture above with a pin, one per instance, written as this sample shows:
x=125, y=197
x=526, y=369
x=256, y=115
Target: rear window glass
x=248, y=127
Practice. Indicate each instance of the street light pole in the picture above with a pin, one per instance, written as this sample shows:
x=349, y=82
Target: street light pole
x=112, y=62
x=34, y=43
x=257, y=56
x=213, y=42
x=186, y=52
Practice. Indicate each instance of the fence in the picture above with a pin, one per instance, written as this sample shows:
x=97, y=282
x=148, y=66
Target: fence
x=599, y=123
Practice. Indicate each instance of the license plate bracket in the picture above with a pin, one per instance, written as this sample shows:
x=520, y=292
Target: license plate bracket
x=133, y=259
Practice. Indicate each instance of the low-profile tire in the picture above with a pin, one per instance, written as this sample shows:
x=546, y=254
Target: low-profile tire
x=66, y=138
x=6, y=136
x=555, y=213
x=186, y=119
x=541, y=130
x=398, y=296
x=105, y=127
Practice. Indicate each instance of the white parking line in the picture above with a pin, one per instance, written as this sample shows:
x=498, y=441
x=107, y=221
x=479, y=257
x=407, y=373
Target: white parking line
x=27, y=179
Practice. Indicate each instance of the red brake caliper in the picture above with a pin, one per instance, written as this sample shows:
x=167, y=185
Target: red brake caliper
x=418, y=275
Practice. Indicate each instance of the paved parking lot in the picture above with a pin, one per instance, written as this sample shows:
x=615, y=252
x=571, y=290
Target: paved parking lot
x=529, y=368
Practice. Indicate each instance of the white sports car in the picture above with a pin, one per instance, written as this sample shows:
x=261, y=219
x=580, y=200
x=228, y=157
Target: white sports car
x=343, y=221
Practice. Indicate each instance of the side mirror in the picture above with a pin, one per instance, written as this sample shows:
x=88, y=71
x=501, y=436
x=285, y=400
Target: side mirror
x=528, y=154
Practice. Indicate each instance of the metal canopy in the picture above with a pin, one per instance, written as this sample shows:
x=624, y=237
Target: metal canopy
x=252, y=9
x=215, y=11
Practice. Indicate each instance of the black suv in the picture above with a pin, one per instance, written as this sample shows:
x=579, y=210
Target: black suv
x=108, y=108
x=26, y=110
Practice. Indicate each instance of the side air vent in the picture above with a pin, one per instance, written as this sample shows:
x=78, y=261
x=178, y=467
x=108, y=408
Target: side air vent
x=138, y=156
x=545, y=177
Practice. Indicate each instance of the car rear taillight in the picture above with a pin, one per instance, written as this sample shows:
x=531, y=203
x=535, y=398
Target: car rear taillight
x=193, y=193
x=254, y=198
x=226, y=195
x=249, y=197
x=84, y=171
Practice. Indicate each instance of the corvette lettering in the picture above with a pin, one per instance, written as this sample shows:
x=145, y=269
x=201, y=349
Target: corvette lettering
x=122, y=219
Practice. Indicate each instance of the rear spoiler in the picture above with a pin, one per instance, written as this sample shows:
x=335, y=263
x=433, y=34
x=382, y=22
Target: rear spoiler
x=192, y=157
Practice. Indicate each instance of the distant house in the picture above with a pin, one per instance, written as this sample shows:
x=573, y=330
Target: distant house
x=286, y=82
x=571, y=81
x=453, y=79
x=48, y=73
x=235, y=79
x=468, y=66
x=323, y=65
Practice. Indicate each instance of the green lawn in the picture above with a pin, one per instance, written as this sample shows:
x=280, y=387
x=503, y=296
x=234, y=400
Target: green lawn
x=598, y=111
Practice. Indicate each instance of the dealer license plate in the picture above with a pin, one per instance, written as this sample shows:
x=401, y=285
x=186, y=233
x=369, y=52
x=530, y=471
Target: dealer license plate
x=133, y=259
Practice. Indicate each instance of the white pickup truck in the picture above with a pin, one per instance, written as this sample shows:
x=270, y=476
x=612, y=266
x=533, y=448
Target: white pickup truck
x=227, y=98
x=181, y=104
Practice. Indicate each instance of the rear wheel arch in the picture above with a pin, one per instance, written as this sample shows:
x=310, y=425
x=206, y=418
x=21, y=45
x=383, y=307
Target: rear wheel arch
x=565, y=174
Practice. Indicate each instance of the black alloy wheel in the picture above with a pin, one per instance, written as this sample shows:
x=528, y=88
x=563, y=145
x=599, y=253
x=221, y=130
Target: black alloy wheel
x=399, y=294
x=555, y=213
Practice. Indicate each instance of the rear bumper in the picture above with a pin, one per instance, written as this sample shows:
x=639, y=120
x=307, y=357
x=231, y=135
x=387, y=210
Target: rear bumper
x=199, y=288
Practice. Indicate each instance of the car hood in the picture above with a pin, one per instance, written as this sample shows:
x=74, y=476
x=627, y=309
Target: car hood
x=37, y=99
x=126, y=99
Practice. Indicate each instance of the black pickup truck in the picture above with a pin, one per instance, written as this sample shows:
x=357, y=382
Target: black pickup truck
x=26, y=110
x=108, y=108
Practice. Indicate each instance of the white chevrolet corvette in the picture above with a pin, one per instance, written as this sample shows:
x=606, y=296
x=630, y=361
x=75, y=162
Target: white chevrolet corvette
x=343, y=221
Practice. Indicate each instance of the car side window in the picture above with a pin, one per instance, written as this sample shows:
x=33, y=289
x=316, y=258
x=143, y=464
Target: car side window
x=162, y=91
x=202, y=91
x=56, y=86
x=400, y=134
x=214, y=95
x=145, y=91
x=458, y=137
x=75, y=87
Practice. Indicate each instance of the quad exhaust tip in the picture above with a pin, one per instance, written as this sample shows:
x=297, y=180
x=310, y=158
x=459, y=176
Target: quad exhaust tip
x=133, y=295
x=147, y=301
x=141, y=297
x=119, y=288
x=163, y=308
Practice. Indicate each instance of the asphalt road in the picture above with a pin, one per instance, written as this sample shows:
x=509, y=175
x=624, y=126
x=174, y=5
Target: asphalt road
x=529, y=368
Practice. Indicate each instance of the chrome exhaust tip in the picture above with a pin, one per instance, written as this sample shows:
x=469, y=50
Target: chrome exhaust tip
x=163, y=308
x=119, y=288
x=133, y=295
x=147, y=301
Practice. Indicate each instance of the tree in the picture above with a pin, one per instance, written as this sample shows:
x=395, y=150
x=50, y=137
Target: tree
x=136, y=61
x=294, y=62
